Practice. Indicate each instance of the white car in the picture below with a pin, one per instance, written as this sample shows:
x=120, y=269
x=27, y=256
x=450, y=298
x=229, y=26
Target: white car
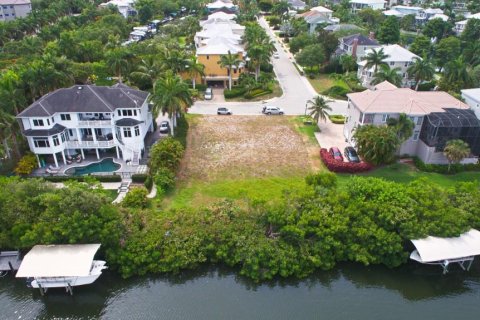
x=272, y=110
x=224, y=111
x=276, y=55
x=208, y=94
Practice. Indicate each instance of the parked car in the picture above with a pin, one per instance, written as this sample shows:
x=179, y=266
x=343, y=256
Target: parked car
x=336, y=154
x=272, y=110
x=351, y=154
x=225, y=111
x=164, y=127
x=208, y=94
x=275, y=55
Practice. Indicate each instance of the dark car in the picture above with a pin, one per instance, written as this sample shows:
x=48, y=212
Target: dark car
x=336, y=154
x=351, y=154
x=164, y=127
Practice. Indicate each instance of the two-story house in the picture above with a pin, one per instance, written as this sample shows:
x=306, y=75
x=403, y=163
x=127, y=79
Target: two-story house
x=358, y=5
x=88, y=118
x=125, y=7
x=221, y=4
x=397, y=57
x=460, y=25
x=13, y=9
x=318, y=16
x=356, y=45
x=438, y=117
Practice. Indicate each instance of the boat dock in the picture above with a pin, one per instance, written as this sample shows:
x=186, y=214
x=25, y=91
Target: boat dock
x=9, y=261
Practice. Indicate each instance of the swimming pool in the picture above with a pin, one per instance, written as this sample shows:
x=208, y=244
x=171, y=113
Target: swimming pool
x=106, y=165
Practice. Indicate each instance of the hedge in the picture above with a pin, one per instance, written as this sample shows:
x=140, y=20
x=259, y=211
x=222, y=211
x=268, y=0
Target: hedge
x=337, y=118
x=200, y=86
x=235, y=92
x=443, y=168
x=342, y=167
x=336, y=91
x=109, y=178
x=139, y=177
x=256, y=93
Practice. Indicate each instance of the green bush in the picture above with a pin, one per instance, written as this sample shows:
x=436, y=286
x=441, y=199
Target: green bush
x=139, y=177
x=164, y=179
x=266, y=67
x=26, y=165
x=337, y=118
x=336, y=92
x=426, y=86
x=148, y=183
x=443, y=168
x=136, y=198
x=166, y=153
x=326, y=179
x=235, y=92
x=200, y=87
x=257, y=93
x=109, y=178
x=181, y=131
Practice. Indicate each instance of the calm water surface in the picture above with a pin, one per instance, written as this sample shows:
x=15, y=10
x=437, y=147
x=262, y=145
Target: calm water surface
x=349, y=292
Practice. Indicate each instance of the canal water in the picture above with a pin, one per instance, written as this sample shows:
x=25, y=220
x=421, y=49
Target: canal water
x=348, y=292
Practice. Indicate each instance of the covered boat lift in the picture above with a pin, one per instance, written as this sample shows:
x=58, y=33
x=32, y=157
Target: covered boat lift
x=65, y=266
x=444, y=251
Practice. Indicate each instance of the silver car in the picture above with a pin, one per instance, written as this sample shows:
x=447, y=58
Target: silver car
x=272, y=110
x=224, y=111
x=208, y=94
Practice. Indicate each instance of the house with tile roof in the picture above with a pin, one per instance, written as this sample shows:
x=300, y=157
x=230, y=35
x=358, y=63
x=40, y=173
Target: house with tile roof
x=438, y=118
x=88, y=118
x=397, y=57
x=356, y=45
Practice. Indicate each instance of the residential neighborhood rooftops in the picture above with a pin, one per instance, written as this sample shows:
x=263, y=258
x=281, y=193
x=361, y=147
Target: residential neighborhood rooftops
x=388, y=99
x=339, y=27
x=395, y=53
x=367, y=1
x=220, y=4
x=321, y=9
x=86, y=98
x=219, y=45
x=361, y=40
x=221, y=15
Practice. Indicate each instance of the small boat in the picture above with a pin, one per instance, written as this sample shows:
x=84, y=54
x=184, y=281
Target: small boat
x=61, y=266
x=9, y=261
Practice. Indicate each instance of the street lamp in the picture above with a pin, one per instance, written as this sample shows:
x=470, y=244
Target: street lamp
x=306, y=105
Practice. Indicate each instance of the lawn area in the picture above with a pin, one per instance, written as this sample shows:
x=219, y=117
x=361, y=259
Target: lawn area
x=241, y=158
x=323, y=82
x=276, y=92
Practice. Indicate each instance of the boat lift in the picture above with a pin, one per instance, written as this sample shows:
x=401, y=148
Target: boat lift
x=445, y=251
x=9, y=261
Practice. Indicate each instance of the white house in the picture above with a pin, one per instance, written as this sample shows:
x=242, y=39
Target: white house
x=88, y=118
x=356, y=45
x=318, y=16
x=398, y=57
x=297, y=4
x=358, y=5
x=221, y=4
x=438, y=117
x=472, y=98
x=460, y=25
x=12, y=9
x=125, y=7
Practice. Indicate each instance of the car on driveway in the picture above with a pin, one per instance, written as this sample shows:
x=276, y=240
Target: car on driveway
x=164, y=127
x=336, y=154
x=208, y=94
x=351, y=154
x=276, y=55
x=224, y=111
x=272, y=110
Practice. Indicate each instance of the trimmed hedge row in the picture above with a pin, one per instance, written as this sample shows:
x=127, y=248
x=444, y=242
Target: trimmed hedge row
x=342, y=167
x=443, y=168
x=256, y=93
x=235, y=92
x=139, y=177
x=109, y=178
x=336, y=92
x=337, y=118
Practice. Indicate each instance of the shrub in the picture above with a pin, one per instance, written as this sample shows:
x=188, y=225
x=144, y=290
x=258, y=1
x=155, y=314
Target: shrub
x=337, y=118
x=266, y=67
x=336, y=92
x=109, y=178
x=324, y=179
x=235, y=92
x=26, y=164
x=256, y=93
x=139, y=178
x=426, y=86
x=201, y=86
x=136, y=198
x=164, y=179
x=181, y=131
x=166, y=153
x=443, y=168
x=148, y=183
x=342, y=167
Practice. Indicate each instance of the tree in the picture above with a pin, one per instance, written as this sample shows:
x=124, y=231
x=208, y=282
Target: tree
x=301, y=41
x=408, y=22
x=375, y=58
x=471, y=52
x=145, y=10
x=311, y=56
x=422, y=46
x=455, y=151
x=118, y=61
x=136, y=198
x=281, y=7
x=348, y=63
x=437, y=28
x=229, y=61
x=260, y=49
x=421, y=70
x=403, y=125
x=471, y=34
x=148, y=70
x=447, y=50
x=319, y=108
x=456, y=76
x=386, y=74
x=371, y=18
x=171, y=95
x=26, y=165
x=328, y=40
x=166, y=153
x=195, y=69
x=376, y=144
x=389, y=31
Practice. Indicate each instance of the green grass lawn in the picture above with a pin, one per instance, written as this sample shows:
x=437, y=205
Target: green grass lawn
x=323, y=82
x=306, y=129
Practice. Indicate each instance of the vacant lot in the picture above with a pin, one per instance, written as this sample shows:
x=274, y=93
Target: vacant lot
x=242, y=157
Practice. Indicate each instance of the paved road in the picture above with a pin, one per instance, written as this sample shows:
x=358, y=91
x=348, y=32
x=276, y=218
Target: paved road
x=296, y=89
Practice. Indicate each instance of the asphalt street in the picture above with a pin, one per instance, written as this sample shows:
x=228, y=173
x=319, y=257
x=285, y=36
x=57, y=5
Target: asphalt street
x=296, y=90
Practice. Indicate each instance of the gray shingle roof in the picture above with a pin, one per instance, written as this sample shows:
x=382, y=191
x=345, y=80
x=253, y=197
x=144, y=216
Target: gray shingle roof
x=362, y=40
x=127, y=122
x=44, y=132
x=86, y=98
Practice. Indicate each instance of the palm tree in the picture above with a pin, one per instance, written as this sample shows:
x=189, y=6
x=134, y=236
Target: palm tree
x=118, y=60
x=421, y=70
x=403, y=125
x=386, y=74
x=148, y=70
x=172, y=59
x=229, y=61
x=195, y=69
x=456, y=72
x=11, y=95
x=375, y=58
x=455, y=151
x=171, y=95
x=319, y=108
x=348, y=63
x=260, y=50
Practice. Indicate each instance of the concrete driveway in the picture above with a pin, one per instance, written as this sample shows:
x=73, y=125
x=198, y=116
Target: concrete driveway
x=331, y=135
x=296, y=89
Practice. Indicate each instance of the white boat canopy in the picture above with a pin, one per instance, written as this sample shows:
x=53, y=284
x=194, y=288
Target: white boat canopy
x=66, y=260
x=442, y=251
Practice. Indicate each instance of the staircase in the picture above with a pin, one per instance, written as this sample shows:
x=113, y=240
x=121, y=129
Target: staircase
x=135, y=159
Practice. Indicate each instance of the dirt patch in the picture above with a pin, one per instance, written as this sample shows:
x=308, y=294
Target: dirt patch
x=231, y=147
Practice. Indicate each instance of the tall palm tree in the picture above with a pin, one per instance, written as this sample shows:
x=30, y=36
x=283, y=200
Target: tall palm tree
x=260, y=50
x=403, y=125
x=148, y=70
x=455, y=151
x=456, y=72
x=229, y=61
x=421, y=70
x=171, y=95
x=348, y=63
x=375, y=59
x=386, y=74
x=319, y=108
x=172, y=59
x=118, y=60
x=11, y=95
x=195, y=69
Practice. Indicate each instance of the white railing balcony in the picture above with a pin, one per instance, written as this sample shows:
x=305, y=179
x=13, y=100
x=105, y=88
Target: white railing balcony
x=89, y=144
x=94, y=123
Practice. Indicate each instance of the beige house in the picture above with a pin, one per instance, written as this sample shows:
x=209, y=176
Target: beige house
x=438, y=117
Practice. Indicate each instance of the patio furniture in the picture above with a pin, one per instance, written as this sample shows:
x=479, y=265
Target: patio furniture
x=79, y=159
x=52, y=171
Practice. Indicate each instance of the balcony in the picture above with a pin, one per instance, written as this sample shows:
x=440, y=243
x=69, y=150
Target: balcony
x=89, y=144
x=94, y=123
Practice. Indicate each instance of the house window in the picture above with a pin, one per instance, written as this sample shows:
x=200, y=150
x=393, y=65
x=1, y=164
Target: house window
x=392, y=63
x=368, y=118
x=127, y=133
x=70, y=132
x=65, y=117
x=361, y=117
x=208, y=57
x=48, y=122
x=135, y=113
x=415, y=135
x=412, y=119
x=384, y=117
x=419, y=121
x=137, y=131
x=119, y=112
x=55, y=140
x=37, y=122
x=53, y=119
x=41, y=143
x=127, y=113
x=62, y=135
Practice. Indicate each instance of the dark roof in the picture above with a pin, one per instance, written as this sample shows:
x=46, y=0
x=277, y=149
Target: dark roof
x=296, y=3
x=86, y=98
x=44, y=132
x=127, y=122
x=362, y=40
x=225, y=10
x=455, y=118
